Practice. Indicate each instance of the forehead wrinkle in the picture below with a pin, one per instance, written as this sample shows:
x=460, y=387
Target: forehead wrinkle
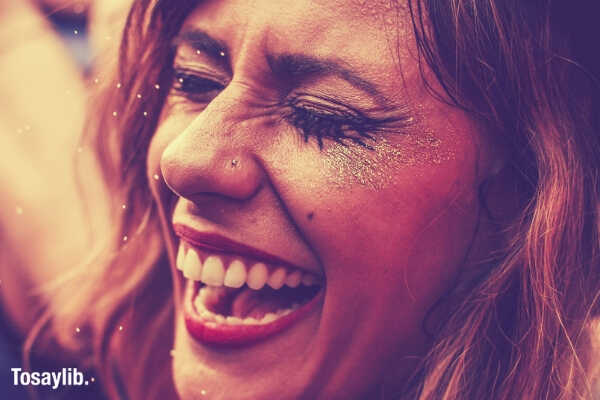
x=322, y=24
x=376, y=10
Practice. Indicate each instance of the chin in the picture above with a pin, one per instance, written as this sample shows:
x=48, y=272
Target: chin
x=209, y=372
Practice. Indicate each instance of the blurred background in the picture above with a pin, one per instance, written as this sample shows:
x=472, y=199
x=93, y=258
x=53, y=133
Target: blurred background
x=52, y=53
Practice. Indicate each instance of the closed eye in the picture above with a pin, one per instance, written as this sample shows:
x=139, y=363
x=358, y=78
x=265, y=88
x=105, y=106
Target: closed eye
x=324, y=118
x=322, y=125
x=313, y=116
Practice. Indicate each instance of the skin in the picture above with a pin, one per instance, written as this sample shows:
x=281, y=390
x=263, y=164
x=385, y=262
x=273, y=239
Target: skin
x=389, y=229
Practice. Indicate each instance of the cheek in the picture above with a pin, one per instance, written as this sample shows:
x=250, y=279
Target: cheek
x=389, y=252
x=413, y=238
x=403, y=234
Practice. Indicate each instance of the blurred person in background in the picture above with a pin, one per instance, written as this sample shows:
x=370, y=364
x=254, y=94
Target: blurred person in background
x=46, y=74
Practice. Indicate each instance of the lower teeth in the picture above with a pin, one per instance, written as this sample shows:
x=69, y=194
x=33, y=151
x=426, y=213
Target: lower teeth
x=211, y=316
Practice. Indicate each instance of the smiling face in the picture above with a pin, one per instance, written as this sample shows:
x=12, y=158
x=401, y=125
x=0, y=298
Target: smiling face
x=307, y=164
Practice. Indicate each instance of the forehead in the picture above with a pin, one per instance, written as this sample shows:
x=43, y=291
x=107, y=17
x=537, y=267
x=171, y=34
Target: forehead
x=363, y=8
x=314, y=20
x=374, y=37
x=378, y=9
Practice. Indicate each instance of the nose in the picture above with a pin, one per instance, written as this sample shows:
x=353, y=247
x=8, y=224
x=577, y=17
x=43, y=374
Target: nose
x=212, y=156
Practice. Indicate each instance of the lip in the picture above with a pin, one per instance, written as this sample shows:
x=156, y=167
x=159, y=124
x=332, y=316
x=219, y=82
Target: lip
x=213, y=333
x=221, y=244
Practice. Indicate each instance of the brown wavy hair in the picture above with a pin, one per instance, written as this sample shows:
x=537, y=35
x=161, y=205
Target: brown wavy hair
x=523, y=327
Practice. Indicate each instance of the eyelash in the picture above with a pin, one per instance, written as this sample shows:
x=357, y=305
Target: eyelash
x=192, y=86
x=313, y=121
x=339, y=126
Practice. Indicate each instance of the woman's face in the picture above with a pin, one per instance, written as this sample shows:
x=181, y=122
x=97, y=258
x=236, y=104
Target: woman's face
x=305, y=162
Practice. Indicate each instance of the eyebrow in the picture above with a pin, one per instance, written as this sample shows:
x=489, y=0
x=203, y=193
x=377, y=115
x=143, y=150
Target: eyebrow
x=203, y=42
x=299, y=67
x=296, y=67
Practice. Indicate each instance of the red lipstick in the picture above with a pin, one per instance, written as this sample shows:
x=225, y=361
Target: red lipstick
x=218, y=243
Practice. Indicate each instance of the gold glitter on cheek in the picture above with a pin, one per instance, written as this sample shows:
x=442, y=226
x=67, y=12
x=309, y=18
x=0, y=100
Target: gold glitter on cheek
x=376, y=168
x=344, y=162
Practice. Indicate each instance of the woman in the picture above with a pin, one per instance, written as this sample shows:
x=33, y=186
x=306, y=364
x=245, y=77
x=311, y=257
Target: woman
x=346, y=200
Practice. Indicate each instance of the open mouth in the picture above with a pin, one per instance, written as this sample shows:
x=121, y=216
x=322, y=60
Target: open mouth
x=235, y=300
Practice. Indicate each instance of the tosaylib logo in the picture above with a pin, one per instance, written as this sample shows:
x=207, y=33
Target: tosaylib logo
x=53, y=379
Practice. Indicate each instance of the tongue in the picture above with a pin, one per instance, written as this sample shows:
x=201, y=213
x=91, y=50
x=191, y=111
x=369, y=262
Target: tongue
x=245, y=302
x=257, y=303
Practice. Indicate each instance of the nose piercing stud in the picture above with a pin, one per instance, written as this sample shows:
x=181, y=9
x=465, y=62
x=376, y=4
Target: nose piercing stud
x=234, y=163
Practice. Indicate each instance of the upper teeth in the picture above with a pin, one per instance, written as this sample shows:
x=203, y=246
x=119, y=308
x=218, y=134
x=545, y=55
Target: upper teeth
x=216, y=271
